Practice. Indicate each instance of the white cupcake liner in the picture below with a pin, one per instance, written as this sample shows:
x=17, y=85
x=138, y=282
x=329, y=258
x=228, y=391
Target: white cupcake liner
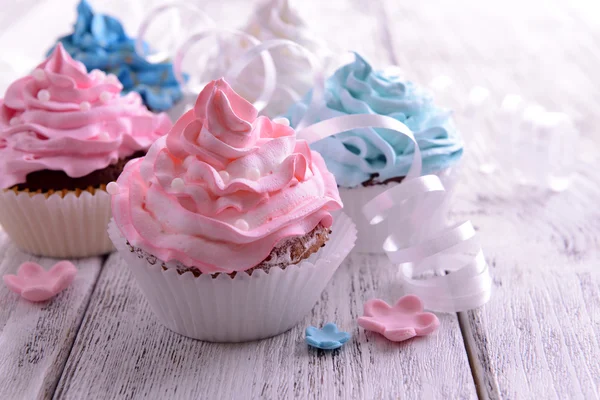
x=370, y=238
x=243, y=308
x=57, y=226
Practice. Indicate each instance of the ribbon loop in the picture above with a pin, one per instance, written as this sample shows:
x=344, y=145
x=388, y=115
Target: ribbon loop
x=314, y=62
x=269, y=65
x=444, y=266
x=173, y=29
x=344, y=123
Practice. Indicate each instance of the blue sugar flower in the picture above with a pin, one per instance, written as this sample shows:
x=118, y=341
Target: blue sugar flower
x=327, y=338
x=100, y=42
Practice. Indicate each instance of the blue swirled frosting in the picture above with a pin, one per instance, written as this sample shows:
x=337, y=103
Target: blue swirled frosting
x=100, y=42
x=357, y=156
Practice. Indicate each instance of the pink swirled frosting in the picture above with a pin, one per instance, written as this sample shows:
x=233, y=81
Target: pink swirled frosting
x=62, y=118
x=223, y=187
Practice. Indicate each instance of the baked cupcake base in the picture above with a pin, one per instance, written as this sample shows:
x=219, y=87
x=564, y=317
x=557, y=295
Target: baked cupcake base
x=238, y=308
x=290, y=252
x=371, y=237
x=50, y=215
x=63, y=224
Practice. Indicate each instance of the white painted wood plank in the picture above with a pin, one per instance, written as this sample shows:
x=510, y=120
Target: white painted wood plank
x=540, y=333
x=36, y=338
x=123, y=352
x=539, y=337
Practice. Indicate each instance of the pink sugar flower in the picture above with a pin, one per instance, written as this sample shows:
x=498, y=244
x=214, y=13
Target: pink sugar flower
x=36, y=284
x=403, y=321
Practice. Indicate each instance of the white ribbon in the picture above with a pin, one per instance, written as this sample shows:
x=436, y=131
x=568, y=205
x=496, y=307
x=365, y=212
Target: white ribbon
x=269, y=66
x=258, y=49
x=315, y=64
x=447, y=269
x=153, y=14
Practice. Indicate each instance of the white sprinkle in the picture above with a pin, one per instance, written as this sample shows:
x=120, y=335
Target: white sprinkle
x=242, y=225
x=85, y=106
x=43, y=95
x=282, y=121
x=104, y=136
x=104, y=97
x=253, y=174
x=14, y=121
x=112, y=188
x=177, y=184
x=38, y=74
x=224, y=175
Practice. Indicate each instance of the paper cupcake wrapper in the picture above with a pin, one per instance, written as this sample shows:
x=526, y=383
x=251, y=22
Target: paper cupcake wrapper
x=370, y=238
x=243, y=308
x=57, y=226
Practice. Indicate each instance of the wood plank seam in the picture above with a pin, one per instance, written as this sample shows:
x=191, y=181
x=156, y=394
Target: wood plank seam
x=477, y=370
x=83, y=315
x=483, y=386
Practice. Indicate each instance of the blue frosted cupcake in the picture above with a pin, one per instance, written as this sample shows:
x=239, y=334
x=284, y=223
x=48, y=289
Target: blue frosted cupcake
x=100, y=42
x=367, y=161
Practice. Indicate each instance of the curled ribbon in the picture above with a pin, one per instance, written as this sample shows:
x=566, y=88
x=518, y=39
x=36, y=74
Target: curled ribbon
x=447, y=269
x=270, y=84
x=152, y=16
x=269, y=65
x=315, y=64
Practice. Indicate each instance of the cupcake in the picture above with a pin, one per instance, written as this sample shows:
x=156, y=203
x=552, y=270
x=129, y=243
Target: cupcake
x=65, y=134
x=368, y=161
x=100, y=42
x=227, y=222
x=277, y=19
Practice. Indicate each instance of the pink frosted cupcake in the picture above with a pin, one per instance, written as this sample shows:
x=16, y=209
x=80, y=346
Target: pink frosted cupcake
x=64, y=135
x=226, y=223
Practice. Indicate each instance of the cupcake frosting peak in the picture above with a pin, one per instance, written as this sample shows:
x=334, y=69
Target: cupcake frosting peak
x=223, y=187
x=363, y=155
x=227, y=114
x=62, y=118
x=100, y=42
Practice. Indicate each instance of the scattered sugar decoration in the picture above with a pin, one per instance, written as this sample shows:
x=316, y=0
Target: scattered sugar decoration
x=177, y=184
x=43, y=95
x=104, y=97
x=224, y=175
x=38, y=74
x=85, y=106
x=103, y=136
x=253, y=174
x=112, y=188
x=282, y=121
x=327, y=338
x=36, y=284
x=403, y=321
x=242, y=225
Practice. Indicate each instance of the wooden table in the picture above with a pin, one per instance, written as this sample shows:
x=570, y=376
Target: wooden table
x=538, y=337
